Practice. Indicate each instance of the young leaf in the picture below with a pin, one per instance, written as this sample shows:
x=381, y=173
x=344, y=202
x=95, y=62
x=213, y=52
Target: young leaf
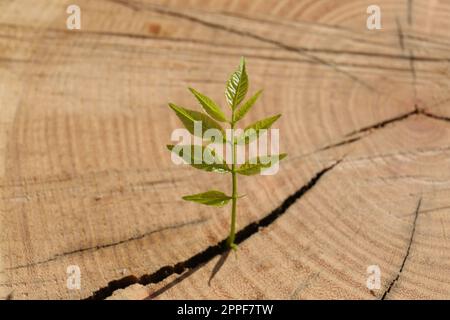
x=254, y=166
x=254, y=130
x=237, y=86
x=210, y=198
x=209, y=106
x=242, y=111
x=200, y=157
x=189, y=117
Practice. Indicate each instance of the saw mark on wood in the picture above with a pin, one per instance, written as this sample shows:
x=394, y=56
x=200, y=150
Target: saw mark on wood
x=271, y=47
x=211, y=252
x=157, y=38
x=408, y=249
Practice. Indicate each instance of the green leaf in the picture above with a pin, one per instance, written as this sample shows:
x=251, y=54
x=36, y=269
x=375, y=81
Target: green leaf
x=210, y=198
x=254, y=166
x=254, y=130
x=189, y=117
x=246, y=106
x=237, y=86
x=209, y=106
x=200, y=157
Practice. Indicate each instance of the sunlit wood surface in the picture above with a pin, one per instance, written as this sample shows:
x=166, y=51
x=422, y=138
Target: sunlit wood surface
x=86, y=179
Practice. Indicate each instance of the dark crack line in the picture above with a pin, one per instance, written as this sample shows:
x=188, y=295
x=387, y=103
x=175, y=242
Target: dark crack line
x=413, y=231
x=433, y=116
x=211, y=252
x=340, y=143
x=379, y=125
x=384, y=123
x=367, y=131
x=108, y=245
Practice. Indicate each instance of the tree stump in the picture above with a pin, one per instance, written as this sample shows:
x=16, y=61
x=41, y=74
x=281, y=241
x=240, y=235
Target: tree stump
x=86, y=179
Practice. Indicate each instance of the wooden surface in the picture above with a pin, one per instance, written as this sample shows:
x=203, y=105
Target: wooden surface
x=85, y=178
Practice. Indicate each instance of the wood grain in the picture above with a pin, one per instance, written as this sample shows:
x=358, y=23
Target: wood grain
x=85, y=178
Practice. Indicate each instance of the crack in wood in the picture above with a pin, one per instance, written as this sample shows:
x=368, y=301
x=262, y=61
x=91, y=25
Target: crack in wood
x=408, y=249
x=211, y=252
x=434, y=116
x=379, y=125
x=371, y=129
x=384, y=123
x=340, y=143
x=107, y=245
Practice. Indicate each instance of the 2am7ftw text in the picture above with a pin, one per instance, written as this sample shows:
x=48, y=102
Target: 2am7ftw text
x=225, y=310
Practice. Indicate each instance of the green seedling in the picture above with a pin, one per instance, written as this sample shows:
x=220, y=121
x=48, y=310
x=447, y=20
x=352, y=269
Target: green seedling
x=204, y=158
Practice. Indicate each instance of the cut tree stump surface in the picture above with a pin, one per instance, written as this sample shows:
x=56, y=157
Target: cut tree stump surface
x=86, y=179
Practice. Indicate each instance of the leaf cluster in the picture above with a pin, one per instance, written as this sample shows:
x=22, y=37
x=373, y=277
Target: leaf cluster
x=211, y=117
